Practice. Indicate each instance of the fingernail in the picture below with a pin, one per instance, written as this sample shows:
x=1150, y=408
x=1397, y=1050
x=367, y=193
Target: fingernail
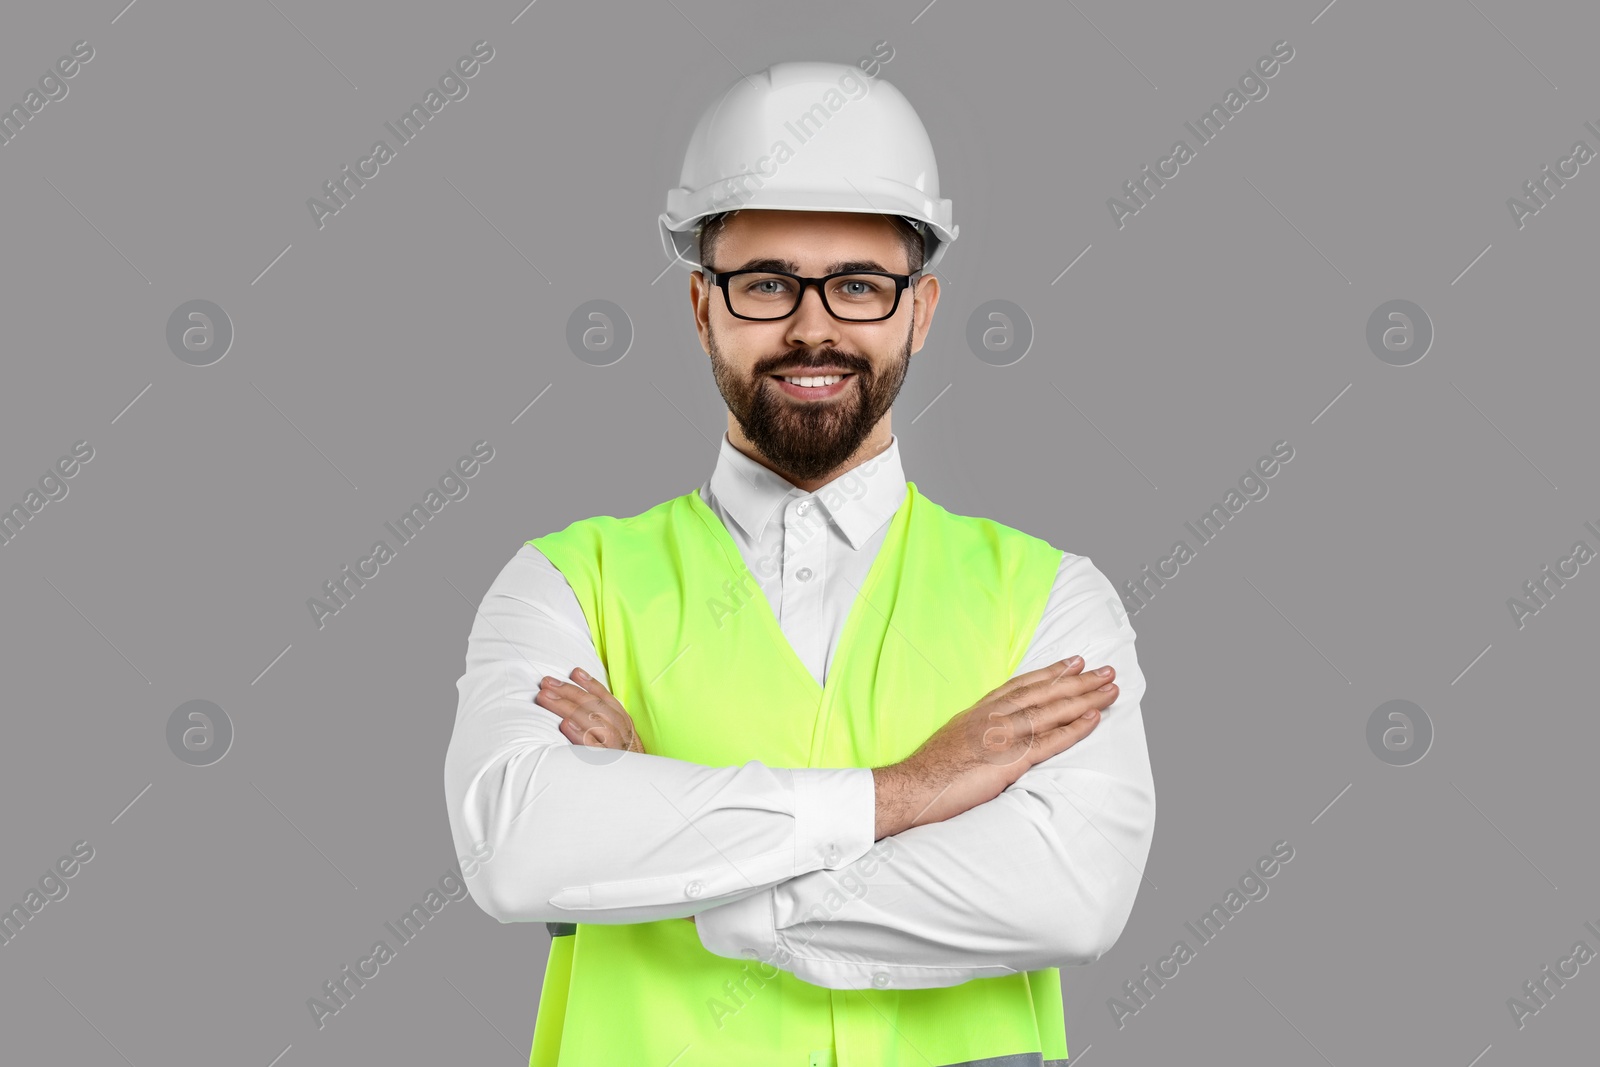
x=1074, y=661
x=582, y=675
x=1103, y=671
x=1105, y=688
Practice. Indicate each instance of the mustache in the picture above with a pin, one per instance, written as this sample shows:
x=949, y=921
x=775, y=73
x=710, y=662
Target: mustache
x=827, y=357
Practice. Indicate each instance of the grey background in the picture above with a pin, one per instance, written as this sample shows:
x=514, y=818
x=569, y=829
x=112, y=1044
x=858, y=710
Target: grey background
x=1226, y=316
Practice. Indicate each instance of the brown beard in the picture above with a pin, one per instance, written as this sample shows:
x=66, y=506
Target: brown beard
x=806, y=440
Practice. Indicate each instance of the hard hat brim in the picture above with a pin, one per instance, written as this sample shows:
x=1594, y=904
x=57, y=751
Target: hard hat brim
x=680, y=243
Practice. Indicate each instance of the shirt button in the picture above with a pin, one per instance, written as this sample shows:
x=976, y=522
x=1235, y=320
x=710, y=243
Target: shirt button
x=832, y=853
x=803, y=507
x=881, y=979
x=804, y=574
x=694, y=889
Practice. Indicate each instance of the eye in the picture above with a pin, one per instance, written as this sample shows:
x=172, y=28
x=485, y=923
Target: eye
x=764, y=285
x=860, y=287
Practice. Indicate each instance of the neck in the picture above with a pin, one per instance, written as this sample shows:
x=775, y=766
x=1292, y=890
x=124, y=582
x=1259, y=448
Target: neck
x=876, y=442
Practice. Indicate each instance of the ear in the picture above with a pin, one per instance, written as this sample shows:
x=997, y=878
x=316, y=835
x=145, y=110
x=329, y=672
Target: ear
x=926, y=289
x=700, y=302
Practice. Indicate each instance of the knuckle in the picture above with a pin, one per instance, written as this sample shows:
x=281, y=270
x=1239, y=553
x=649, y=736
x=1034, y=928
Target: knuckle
x=1030, y=719
x=1010, y=704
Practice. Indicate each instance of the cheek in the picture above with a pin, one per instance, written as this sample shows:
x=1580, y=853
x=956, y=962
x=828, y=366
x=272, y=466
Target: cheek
x=740, y=350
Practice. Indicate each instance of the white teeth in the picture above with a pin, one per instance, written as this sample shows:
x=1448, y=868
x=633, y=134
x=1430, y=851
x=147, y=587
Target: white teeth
x=812, y=382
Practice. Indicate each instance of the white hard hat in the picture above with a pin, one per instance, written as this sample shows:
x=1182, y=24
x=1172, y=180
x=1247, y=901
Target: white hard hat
x=808, y=136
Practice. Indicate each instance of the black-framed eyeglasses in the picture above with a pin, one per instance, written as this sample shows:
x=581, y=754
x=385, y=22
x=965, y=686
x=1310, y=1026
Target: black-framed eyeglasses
x=850, y=296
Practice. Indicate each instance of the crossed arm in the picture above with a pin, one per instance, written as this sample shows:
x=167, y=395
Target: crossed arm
x=782, y=861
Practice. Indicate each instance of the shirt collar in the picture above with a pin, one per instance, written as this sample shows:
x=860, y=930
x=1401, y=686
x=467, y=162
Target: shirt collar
x=858, y=501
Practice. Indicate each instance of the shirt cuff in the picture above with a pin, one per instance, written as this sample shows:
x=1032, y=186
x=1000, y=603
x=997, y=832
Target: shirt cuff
x=741, y=929
x=835, y=814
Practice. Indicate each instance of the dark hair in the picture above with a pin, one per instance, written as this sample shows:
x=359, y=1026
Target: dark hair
x=910, y=236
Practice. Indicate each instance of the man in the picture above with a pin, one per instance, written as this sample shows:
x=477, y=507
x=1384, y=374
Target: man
x=853, y=737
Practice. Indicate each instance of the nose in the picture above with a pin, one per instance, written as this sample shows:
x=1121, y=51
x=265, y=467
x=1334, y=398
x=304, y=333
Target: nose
x=811, y=326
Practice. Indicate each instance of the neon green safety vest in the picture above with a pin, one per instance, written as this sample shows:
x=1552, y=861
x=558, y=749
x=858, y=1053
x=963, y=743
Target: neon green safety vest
x=952, y=605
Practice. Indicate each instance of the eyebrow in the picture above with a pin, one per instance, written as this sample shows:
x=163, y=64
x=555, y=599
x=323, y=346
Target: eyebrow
x=791, y=267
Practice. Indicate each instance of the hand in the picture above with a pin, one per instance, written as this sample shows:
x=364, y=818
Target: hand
x=590, y=715
x=978, y=753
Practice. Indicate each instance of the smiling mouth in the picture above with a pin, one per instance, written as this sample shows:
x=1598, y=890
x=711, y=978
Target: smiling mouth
x=812, y=386
x=812, y=379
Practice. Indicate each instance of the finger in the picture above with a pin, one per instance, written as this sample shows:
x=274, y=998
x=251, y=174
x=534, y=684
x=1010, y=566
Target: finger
x=595, y=690
x=1063, y=685
x=552, y=695
x=572, y=695
x=1054, y=742
x=572, y=703
x=572, y=731
x=1049, y=672
x=598, y=736
x=589, y=705
x=1044, y=716
x=1040, y=700
x=588, y=681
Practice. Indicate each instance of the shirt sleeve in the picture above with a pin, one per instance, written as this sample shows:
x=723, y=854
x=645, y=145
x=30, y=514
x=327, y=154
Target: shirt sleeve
x=550, y=831
x=1043, y=875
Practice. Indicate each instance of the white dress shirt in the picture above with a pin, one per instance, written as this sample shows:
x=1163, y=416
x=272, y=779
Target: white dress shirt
x=1045, y=874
